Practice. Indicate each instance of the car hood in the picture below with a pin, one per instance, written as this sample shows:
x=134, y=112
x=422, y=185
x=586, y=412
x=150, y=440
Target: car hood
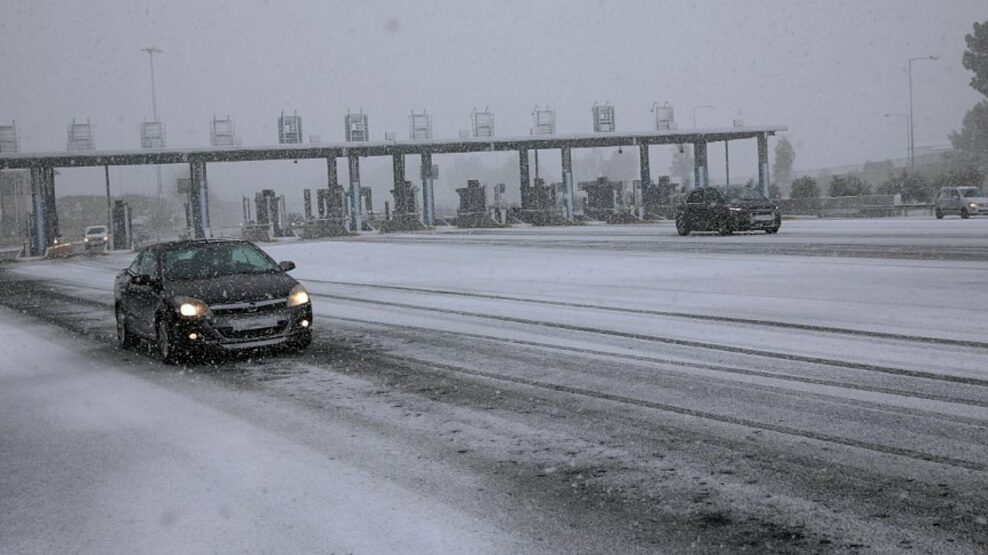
x=979, y=200
x=233, y=288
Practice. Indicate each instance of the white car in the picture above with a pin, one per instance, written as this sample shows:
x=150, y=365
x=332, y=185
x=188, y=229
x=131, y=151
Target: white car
x=963, y=201
x=96, y=238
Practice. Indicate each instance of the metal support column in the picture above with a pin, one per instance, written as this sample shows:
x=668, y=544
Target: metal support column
x=428, y=198
x=199, y=200
x=45, y=219
x=727, y=161
x=109, y=203
x=568, y=186
x=763, y=163
x=398, y=170
x=332, y=205
x=700, y=173
x=523, y=176
x=307, y=204
x=355, y=225
x=646, y=171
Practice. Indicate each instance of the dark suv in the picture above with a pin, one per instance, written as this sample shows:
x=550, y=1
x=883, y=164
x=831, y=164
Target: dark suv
x=726, y=210
x=189, y=296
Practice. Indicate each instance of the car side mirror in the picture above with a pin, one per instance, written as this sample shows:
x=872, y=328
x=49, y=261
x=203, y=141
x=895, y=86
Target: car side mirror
x=140, y=279
x=286, y=265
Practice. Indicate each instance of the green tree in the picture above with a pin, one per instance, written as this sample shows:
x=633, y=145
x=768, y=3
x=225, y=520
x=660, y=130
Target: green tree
x=971, y=142
x=848, y=186
x=975, y=58
x=782, y=168
x=916, y=188
x=913, y=187
x=805, y=187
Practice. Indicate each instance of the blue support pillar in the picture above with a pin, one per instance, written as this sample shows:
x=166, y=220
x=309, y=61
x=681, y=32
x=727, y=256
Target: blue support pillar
x=199, y=200
x=644, y=165
x=355, y=224
x=44, y=218
x=523, y=176
x=763, y=175
x=568, y=186
x=428, y=198
x=701, y=175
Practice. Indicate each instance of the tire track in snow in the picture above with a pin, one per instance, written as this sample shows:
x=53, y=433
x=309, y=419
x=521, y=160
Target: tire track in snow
x=684, y=411
x=674, y=362
x=674, y=341
x=671, y=314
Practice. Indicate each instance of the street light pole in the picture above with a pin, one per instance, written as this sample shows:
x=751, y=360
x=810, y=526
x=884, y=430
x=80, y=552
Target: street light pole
x=695, y=108
x=912, y=140
x=908, y=134
x=151, y=50
x=154, y=95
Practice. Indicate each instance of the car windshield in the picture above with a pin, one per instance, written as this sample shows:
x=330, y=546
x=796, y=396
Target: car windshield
x=206, y=261
x=742, y=193
x=971, y=193
x=95, y=230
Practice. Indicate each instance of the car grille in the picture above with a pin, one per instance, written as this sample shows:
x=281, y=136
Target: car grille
x=247, y=308
x=230, y=333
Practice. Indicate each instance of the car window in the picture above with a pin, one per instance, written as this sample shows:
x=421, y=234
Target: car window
x=711, y=195
x=148, y=265
x=695, y=196
x=743, y=193
x=135, y=265
x=206, y=261
x=971, y=193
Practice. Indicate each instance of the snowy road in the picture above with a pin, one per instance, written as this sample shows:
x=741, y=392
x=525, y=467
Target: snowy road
x=826, y=388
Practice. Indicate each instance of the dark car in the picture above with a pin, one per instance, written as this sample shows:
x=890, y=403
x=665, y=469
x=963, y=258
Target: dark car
x=189, y=297
x=726, y=210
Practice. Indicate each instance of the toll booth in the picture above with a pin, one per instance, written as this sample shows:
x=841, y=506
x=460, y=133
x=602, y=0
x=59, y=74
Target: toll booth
x=473, y=212
x=657, y=199
x=329, y=219
x=605, y=200
x=405, y=216
x=121, y=226
x=539, y=205
x=270, y=218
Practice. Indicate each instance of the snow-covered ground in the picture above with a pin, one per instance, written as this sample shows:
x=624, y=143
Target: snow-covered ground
x=866, y=358
x=97, y=460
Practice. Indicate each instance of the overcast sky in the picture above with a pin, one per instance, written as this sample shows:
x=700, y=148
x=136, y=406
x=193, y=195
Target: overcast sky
x=827, y=69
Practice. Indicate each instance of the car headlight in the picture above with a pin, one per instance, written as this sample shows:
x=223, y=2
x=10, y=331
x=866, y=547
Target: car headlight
x=298, y=296
x=734, y=209
x=191, y=308
x=973, y=205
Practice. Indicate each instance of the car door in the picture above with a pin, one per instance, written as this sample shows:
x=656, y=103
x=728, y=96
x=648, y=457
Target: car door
x=144, y=295
x=955, y=200
x=694, y=205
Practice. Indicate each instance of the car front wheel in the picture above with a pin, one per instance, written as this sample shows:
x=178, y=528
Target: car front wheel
x=125, y=339
x=939, y=214
x=965, y=214
x=682, y=227
x=165, y=342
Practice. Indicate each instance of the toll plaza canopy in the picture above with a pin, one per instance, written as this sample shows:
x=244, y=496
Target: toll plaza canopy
x=379, y=148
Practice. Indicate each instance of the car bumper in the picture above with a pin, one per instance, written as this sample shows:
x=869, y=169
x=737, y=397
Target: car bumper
x=243, y=332
x=746, y=222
